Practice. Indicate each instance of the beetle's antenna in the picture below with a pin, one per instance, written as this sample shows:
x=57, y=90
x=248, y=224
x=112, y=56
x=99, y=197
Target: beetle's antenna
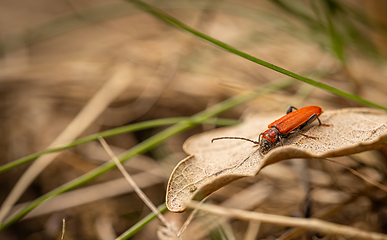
x=240, y=138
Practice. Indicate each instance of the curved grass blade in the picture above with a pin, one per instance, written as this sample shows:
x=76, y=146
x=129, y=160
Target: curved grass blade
x=178, y=24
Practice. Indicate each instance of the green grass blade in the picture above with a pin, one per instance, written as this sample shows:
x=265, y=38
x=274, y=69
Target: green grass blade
x=288, y=7
x=115, y=131
x=337, y=40
x=140, y=224
x=148, y=144
x=178, y=24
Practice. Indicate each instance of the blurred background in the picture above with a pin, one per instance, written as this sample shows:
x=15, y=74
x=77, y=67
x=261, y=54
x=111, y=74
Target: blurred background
x=117, y=65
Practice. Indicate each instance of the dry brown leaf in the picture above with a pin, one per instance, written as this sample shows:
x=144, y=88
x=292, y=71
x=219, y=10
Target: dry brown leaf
x=213, y=165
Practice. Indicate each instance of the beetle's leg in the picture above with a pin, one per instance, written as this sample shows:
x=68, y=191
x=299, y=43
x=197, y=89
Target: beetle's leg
x=259, y=145
x=322, y=124
x=259, y=142
x=280, y=139
x=310, y=120
x=307, y=136
x=290, y=109
x=297, y=132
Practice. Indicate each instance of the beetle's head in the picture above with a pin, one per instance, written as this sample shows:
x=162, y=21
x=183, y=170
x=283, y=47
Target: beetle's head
x=265, y=145
x=269, y=139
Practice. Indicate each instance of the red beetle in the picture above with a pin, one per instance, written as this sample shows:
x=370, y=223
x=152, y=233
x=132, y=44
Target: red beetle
x=291, y=123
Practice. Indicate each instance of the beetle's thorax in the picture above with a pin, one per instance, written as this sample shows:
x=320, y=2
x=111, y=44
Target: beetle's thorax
x=271, y=135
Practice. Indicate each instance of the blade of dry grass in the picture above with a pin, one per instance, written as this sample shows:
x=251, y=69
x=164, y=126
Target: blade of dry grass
x=322, y=214
x=93, y=193
x=108, y=93
x=63, y=228
x=134, y=185
x=365, y=178
x=257, y=193
x=189, y=219
x=252, y=231
x=311, y=223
